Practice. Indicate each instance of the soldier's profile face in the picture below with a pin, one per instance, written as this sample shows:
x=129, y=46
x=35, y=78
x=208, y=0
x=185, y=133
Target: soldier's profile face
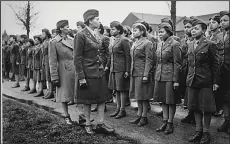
x=43, y=35
x=224, y=22
x=114, y=31
x=213, y=24
x=188, y=28
x=197, y=31
x=162, y=34
x=137, y=33
x=65, y=29
x=95, y=22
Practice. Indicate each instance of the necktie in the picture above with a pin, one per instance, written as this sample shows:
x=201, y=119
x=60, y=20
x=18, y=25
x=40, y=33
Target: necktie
x=196, y=44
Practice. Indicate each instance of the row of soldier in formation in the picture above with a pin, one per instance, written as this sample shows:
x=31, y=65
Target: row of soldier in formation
x=84, y=67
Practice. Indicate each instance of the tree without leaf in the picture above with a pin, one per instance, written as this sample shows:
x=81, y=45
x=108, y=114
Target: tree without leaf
x=25, y=15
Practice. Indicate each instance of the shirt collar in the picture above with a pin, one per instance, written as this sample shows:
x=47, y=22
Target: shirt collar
x=90, y=30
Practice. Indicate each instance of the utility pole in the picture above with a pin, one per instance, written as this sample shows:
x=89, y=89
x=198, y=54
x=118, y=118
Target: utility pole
x=173, y=15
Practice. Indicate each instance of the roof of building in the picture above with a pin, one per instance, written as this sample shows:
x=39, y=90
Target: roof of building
x=152, y=18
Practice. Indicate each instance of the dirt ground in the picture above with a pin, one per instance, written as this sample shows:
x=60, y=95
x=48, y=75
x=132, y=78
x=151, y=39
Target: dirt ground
x=24, y=124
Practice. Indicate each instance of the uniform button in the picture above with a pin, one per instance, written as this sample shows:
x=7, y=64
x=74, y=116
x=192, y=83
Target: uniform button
x=98, y=61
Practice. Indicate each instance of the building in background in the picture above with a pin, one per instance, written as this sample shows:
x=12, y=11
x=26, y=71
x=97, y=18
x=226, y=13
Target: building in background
x=154, y=20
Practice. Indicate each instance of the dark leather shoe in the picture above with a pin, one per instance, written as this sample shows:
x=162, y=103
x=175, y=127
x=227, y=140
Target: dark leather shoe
x=89, y=130
x=94, y=109
x=160, y=114
x=16, y=85
x=121, y=114
x=102, y=128
x=49, y=95
x=32, y=91
x=143, y=122
x=224, y=127
x=136, y=120
x=39, y=94
x=196, y=137
x=162, y=127
x=26, y=89
x=115, y=113
x=68, y=120
x=189, y=118
x=205, y=138
x=169, y=129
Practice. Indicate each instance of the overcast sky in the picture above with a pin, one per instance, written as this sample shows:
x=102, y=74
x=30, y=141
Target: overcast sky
x=53, y=11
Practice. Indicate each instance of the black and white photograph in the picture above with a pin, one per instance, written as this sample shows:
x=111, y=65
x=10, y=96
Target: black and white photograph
x=115, y=72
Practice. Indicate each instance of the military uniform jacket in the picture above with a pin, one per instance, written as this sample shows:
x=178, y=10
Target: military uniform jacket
x=142, y=58
x=29, y=57
x=23, y=51
x=37, y=57
x=45, y=49
x=119, y=59
x=168, y=60
x=14, y=53
x=104, y=50
x=203, y=64
x=86, y=55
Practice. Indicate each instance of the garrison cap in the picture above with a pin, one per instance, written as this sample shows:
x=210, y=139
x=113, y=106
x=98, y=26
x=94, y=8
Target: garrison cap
x=167, y=20
x=13, y=36
x=114, y=23
x=165, y=25
x=189, y=20
x=90, y=14
x=24, y=36
x=31, y=41
x=222, y=13
x=199, y=21
x=215, y=18
x=62, y=23
x=38, y=37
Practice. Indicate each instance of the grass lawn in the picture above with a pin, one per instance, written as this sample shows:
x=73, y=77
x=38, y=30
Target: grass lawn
x=23, y=124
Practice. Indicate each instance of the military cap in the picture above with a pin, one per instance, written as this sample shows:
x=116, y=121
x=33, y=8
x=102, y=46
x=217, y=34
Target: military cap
x=114, y=23
x=24, y=36
x=222, y=13
x=165, y=25
x=167, y=20
x=62, y=23
x=80, y=23
x=215, y=18
x=38, y=37
x=90, y=14
x=199, y=21
x=31, y=41
x=189, y=20
x=139, y=24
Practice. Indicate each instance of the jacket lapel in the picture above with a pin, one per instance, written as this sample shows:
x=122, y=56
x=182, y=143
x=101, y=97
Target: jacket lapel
x=117, y=40
x=90, y=36
x=227, y=39
x=138, y=43
x=167, y=43
x=68, y=42
x=201, y=44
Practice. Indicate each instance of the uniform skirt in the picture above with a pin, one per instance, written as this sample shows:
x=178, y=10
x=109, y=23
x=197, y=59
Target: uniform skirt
x=47, y=71
x=23, y=69
x=201, y=99
x=96, y=91
x=165, y=93
x=37, y=75
x=15, y=68
x=29, y=73
x=140, y=90
x=118, y=82
x=43, y=73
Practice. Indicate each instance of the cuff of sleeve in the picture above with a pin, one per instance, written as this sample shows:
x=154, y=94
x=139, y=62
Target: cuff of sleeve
x=53, y=78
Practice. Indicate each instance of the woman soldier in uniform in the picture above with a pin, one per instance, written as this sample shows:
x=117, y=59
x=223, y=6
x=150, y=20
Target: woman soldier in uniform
x=167, y=76
x=224, y=91
x=29, y=60
x=15, y=59
x=202, y=79
x=45, y=62
x=91, y=86
x=141, y=81
x=37, y=65
x=62, y=66
x=119, y=64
